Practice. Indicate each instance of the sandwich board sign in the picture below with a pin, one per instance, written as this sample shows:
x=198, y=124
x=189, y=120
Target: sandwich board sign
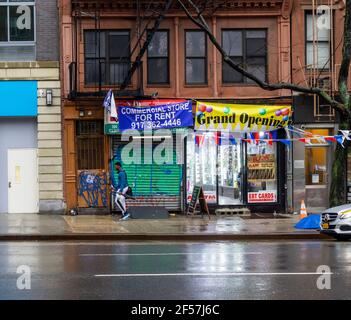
x=198, y=196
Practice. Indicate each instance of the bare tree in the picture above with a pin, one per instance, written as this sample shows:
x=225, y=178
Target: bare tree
x=343, y=105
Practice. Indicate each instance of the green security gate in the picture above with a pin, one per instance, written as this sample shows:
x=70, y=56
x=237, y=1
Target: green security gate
x=152, y=184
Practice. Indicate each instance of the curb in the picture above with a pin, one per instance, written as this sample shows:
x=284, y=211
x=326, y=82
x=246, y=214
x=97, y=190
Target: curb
x=163, y=237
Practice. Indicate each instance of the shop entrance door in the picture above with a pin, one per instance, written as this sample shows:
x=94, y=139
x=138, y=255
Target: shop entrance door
x=316, y=175
x=23, y=181
x=229, y=174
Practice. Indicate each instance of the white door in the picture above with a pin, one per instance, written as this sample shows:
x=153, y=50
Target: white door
x=23, y=189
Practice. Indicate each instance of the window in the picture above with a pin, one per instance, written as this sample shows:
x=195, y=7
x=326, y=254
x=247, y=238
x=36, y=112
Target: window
x=90, y=145
x=316, y=158
x=317, y=44
x=202, y=169
x=261, y=173
x=17, y=30
x=158, y=59
x=195, y=57
x=247, y=48
x=107, y=56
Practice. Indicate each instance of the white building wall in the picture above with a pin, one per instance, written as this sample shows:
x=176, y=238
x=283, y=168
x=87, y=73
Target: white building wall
x=49, y=129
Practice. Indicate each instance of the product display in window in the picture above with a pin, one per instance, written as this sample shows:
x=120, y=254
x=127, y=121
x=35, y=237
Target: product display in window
x=261, y=173
x=217, y=163
x=229, y=174
x=201, y=164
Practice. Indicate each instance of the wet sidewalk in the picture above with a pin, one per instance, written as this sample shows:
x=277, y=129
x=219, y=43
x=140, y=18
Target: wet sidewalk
x=90, y=227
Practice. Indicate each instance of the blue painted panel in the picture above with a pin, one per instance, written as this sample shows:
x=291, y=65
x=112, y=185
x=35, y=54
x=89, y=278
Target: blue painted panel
x=18, y=99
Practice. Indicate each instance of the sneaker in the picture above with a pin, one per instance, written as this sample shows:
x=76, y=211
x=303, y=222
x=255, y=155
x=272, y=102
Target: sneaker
x=125, y=217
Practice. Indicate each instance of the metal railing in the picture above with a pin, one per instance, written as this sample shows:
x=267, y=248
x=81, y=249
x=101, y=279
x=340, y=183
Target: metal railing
x=112, y=77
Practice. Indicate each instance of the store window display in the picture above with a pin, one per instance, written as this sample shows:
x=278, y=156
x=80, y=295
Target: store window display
x=261, y=172
x=201, y=164
x=215, y=162
x=230, y=172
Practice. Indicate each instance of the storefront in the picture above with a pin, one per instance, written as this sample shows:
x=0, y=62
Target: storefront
x=152, y=159
x=18, y=147
x=312, y=167
x=237, y=165
x=236, y=172
x=238, y=168
x=312, y=158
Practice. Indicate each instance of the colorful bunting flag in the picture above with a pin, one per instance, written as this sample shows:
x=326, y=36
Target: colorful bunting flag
x=287, y=142
x=330, y=139
x=218, y=138
x=270, y=137
x=340, y=139
x=274, y=134
x=199, y=139
x=232, y=140
x=346, y=134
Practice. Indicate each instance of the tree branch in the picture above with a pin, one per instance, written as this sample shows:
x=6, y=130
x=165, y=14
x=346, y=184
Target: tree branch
x=142, y=51
x=201, y=23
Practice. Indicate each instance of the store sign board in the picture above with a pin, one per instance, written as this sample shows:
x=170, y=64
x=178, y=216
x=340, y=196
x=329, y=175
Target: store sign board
x=268, y=157
x=240, y=117
x=261, y=161
x=111, y=125
x=198, y=196
x=262, y=197
x=167, y=116
x=111, y=128
x=210, y=196
x=261, y=167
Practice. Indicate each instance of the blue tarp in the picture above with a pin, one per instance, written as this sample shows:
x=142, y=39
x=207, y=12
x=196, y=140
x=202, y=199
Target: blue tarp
x=310, y=222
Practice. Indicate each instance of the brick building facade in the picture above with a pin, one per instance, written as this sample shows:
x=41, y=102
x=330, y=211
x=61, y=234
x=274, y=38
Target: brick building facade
x=272, y=39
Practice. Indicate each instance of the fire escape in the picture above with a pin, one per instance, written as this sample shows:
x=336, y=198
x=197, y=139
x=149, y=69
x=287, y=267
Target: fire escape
x=129, y=79
x=323, y=77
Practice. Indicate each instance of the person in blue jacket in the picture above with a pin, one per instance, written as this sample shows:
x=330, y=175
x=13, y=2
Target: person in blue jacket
x=122, y=188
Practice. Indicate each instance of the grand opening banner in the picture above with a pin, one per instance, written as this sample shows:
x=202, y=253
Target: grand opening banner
x=240, y=117
x=174, y=115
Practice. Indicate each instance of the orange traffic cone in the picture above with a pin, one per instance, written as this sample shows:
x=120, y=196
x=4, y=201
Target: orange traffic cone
x=303, y=211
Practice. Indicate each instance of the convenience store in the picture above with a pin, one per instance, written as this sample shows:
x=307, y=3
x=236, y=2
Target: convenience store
x=238, y=168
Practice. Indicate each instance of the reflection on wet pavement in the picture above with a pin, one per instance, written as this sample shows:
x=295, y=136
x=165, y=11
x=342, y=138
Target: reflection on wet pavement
x=166, y=270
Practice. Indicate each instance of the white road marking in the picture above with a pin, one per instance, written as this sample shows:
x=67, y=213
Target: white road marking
x=166, y=254
x=121, y=275
x=38, y=243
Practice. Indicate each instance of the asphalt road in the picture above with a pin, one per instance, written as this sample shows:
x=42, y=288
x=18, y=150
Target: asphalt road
x=163, y=270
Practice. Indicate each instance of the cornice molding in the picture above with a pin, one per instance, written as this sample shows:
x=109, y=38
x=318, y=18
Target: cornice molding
x=91, y=5
x=286, y=8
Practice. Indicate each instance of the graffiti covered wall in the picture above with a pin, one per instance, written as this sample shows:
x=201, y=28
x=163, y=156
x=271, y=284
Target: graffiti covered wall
x=92, y=188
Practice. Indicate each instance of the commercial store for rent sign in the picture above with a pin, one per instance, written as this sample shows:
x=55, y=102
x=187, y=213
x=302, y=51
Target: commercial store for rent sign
x=175, y=115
